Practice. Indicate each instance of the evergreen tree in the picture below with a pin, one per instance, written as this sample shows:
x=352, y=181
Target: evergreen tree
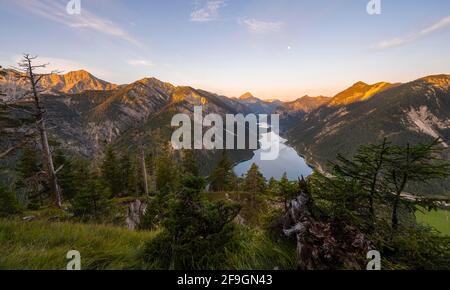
x=367, y=169
x=273, y=187
x=111, y=173
x=378, y=175
x=381, y=174
x=9, y=205
x=195, y=232
x=128, y=172
x=409, y=164
x=189, y=163
x=81, y=173
x=222, y=177
x=29, y=182
x=166, y=174
x=288, y=189
x=66, y=175
x=254, y=181
x=91, y=202
x=28, y=164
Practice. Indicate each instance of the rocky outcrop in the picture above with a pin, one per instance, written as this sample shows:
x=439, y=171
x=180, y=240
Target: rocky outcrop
x=135, y=212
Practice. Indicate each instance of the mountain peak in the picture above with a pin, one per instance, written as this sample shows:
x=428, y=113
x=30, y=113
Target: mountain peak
x=441, y=80
x=247, y=96
x=77, y=75
x=79, y=72
x=360, y=84
x=358, y=92
x=74, y=82
x=304, y=104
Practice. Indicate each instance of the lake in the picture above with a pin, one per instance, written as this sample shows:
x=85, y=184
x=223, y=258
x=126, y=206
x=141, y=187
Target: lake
x=288, y=161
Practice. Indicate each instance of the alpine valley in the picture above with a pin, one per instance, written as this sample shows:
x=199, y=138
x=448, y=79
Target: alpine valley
x=86, y=113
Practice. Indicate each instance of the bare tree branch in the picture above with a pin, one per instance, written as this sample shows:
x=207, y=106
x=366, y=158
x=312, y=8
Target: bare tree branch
x=28, y=68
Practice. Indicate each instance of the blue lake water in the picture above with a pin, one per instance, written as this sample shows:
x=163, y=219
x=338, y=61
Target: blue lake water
x=288, y=160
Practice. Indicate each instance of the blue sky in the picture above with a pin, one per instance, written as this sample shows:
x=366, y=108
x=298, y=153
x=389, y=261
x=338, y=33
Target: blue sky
x=273, y=48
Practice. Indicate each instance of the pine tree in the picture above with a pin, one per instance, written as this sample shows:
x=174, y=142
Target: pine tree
x=81, y=173
x=91, y=202
x=110, y=172
x=273, y=187
x=166, y=174
x=254, y=181
x=128, y=172
x=195, y=232
x=288, y=189
x=419, y=163
x=189, y=163
x=367, y=169
x=378, y=175
x=29, y=182
x=222, y=177
x=66, y=176
x=9, y=205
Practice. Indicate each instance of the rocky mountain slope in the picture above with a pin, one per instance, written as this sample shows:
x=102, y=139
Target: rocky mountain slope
x=258, y=106
x=70, y=83
x=291, y=112
x=127, y=116
x=418, y=111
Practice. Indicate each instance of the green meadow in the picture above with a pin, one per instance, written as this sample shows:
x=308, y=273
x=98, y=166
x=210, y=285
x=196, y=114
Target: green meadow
x=440, y=220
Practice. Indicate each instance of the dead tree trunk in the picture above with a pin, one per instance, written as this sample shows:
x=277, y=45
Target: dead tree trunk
x=144, y=172
x=322, y=245
x=28, y=68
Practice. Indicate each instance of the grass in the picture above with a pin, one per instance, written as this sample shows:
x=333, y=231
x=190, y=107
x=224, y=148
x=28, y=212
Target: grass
x=42, y=245
x=254, y=250
x=440, y=220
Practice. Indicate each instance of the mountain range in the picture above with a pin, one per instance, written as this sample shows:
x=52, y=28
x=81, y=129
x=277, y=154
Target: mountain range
x=85, y=113
x=413, y=112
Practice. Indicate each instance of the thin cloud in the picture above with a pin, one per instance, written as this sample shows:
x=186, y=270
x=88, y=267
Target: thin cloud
x=208, y=12
x=258, y=26
x=139, y=62
x=399, y=41
x=56, y=11
x=64, y=65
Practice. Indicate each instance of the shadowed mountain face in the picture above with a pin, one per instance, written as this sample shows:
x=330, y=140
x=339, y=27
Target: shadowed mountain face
x=291, y=112
x=259, y=106
x=414, y=112
x=125, y=116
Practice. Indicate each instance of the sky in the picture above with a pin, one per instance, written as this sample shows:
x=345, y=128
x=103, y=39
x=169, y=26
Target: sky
x=273, y=48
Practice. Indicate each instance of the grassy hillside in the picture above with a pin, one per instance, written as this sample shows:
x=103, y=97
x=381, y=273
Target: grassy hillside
x=440, y=220
x=43, y=245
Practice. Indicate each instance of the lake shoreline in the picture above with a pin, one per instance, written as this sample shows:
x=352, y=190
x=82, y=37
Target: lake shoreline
x=289, y=161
